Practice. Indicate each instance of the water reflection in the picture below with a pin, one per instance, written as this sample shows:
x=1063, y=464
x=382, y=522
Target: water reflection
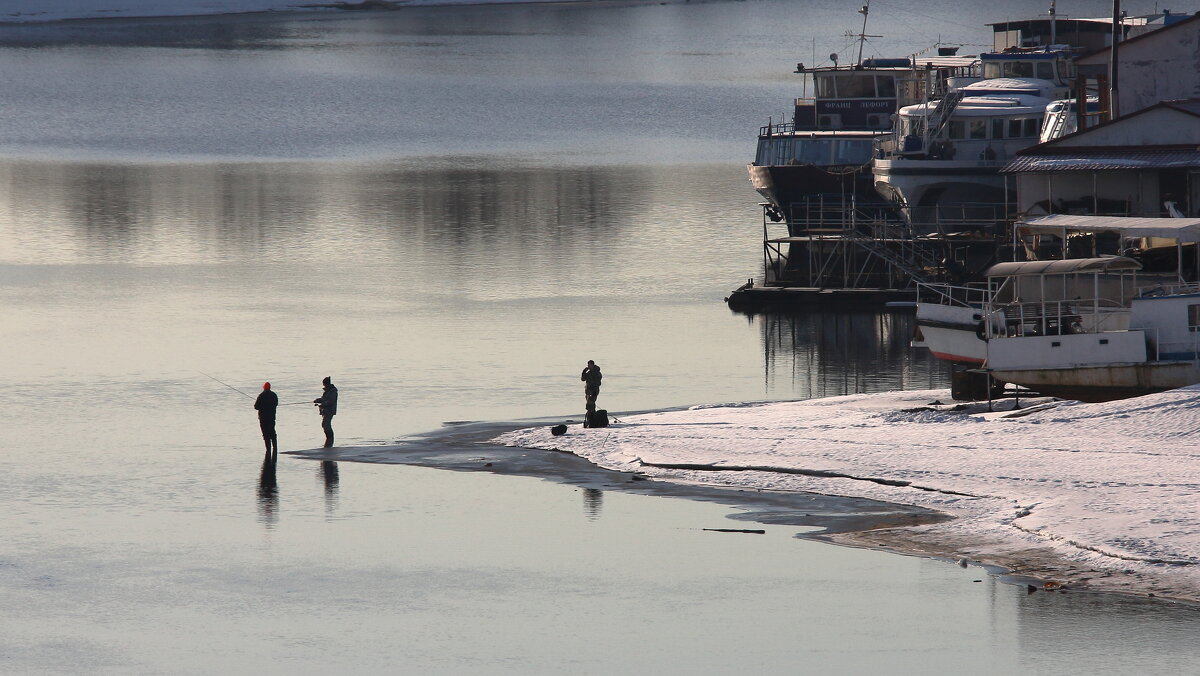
x=329, y=476
x=1048, y=621
x=829, y=353
x=119, y=213
x=268, y=492
x=593, y=502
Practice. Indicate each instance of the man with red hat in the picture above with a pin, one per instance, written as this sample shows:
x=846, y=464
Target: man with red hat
x=266, y=404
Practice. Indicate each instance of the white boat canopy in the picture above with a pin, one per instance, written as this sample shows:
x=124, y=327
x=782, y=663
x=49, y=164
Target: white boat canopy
x=1179, y=229
x=1064, y=267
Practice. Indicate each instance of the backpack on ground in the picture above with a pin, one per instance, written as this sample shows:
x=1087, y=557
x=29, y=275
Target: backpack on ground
x=596, y=418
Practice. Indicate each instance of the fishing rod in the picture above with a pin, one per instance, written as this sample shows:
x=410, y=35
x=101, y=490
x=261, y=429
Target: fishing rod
x=292, y=403
x=225, y=384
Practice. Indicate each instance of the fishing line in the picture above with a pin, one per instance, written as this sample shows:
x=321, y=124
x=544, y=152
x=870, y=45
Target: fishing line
x=225, y=384
x=291, y=403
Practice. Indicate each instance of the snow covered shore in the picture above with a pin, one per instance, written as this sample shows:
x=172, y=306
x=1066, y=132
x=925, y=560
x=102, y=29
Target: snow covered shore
x=1097, y=495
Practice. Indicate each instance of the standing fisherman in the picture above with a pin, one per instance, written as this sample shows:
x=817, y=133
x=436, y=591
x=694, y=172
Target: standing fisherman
x=327, y=407
x=591, y=385
x=266, y=404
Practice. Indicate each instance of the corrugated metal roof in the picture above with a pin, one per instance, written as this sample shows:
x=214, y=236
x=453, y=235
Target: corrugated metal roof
x=1180, y=229
x=1063, y=267
x=1103, y=159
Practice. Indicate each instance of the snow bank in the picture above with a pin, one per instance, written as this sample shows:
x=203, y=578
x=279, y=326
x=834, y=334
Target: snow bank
x=55, y=10
x=1109, y=487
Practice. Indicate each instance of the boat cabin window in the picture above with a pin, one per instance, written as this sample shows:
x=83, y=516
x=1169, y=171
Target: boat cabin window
x=857, y=151
x=997, y=127
x=1031, y=126
x=825, y=86
x=1066, y=68
x=855, y=86
x=1194, y=318
x=821, y=152
x=977, y=128
x=813, y=152
x=1038, y=69
x=1018, y=69
x=958, y=129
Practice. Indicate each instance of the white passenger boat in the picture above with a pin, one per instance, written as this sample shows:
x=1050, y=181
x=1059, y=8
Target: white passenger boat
x=951, y=318
x=1097, y=345
x=950, y=151
x=1094, y=329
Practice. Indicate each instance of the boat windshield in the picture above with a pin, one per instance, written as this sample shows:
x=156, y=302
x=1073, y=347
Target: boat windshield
x=855, y=86
x=817, y=151
x=1042, y=69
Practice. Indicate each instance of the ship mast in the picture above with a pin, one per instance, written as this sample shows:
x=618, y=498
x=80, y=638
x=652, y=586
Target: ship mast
x=862, y=36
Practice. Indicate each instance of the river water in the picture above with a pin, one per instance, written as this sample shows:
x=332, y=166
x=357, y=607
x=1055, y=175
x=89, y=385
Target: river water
x=448, y=211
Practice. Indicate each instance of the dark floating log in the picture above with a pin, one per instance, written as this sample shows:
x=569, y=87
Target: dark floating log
x=737, y=530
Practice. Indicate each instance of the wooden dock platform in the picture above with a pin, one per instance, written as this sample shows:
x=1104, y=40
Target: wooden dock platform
x=750, y=298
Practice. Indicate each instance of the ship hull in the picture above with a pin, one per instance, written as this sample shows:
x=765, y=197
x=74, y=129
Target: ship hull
x=1104, y=383
x=783, y=185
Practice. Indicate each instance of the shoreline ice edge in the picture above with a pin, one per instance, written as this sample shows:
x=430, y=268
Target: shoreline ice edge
x=1095, y=496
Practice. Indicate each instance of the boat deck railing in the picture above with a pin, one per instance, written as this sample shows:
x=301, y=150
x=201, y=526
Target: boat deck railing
x=1055, y=317
x=773, y=128
x=971, y=295
x=958, y=217
x=832, y=212
x=1160, y=290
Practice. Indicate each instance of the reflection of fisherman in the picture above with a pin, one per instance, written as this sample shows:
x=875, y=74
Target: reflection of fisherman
x=327, y=407
x=266, y=404
x=268, y=492
x=591, y=389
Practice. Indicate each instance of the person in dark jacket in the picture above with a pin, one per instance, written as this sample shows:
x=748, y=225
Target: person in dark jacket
x=591, y=385
x=327, y=407
x=265, y=404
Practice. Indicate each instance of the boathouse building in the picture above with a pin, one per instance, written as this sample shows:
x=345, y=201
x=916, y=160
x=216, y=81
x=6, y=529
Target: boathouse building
x=1144, y=164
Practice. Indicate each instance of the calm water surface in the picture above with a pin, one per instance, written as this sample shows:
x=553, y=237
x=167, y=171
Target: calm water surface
x=448, y=211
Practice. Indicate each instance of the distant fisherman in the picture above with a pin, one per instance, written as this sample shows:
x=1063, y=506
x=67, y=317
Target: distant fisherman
x=266, y=404
x=591, y=385
x=327, y=407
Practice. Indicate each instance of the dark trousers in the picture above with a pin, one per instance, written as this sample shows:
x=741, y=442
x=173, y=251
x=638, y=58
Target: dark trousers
x=268, y=432
x=589, y=398
x=327, y=425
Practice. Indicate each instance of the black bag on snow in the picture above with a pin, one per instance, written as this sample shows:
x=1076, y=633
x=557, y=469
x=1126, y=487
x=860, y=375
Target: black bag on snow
x=596, y=418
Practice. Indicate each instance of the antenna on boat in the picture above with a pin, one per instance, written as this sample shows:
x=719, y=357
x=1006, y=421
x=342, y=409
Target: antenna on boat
x=1053, y=23
x=862, y=36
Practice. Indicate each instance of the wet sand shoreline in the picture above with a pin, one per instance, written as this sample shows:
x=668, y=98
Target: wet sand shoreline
x=839, y=520
x=463, y=447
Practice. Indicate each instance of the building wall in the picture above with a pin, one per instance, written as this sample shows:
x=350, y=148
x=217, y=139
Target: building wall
x=1161, y=67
